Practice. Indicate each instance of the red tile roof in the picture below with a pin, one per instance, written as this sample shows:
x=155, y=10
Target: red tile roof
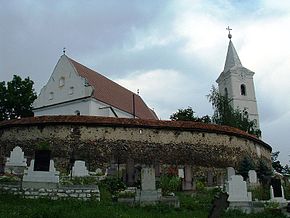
x=111, y=93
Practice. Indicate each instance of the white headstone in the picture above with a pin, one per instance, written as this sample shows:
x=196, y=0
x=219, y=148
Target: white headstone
x=252, y=177
x=79, y=169
x=37, y=179
x=181, y=173
x=16, y=158
x=237, y=189
x=16, y=163
x=148, y=179
x=230, y=172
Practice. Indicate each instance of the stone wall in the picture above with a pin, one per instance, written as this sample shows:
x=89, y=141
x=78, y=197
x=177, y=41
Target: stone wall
x=80, y=193
x=97, y=139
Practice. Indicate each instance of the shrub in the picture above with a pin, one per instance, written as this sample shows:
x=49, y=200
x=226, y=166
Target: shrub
x=114, y=185
x=261, y=192
x=169, y=184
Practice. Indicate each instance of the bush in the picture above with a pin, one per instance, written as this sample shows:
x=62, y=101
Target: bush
x=169, y=184
x=114, y=185
x=261, y=192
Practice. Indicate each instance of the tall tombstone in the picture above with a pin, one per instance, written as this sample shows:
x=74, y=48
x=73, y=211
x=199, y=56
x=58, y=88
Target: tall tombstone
x=42, y=160
x=237, y=189
x=16, y=163
x=230, y=172
x=148, y=178
x=188, y=179
x=130, y=172
x=276, y=190
x=209, y=178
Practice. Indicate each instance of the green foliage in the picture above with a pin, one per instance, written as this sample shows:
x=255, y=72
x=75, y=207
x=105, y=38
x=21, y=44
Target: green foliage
x=225, y=114
x=200, y=186
x=276, y=163
x=245, y=165
x=189, y=115
x=16, y=98
x=44, y=145
x=9, y=178
x=169, y=184
x=261, y=192
x=287, y=190
x=114, y=185
x=264, y=173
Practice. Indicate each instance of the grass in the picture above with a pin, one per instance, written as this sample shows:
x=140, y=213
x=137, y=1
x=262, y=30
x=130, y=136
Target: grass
x=197, y=206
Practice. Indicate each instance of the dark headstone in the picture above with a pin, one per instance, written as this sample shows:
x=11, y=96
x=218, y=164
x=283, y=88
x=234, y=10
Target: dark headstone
x=219, y=204
x=42, y=160
x=276, y=184
x=1, y=168
x=288, y=208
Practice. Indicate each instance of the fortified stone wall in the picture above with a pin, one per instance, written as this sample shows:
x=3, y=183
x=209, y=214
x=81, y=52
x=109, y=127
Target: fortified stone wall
x=97, y=140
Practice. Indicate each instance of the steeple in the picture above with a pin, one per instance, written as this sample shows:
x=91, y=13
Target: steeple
x=232, y=59
x=237, y=83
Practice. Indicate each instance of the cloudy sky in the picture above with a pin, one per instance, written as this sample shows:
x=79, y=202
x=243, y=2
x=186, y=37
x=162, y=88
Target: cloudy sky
x=172, y=50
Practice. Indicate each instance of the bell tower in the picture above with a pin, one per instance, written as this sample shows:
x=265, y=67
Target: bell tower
x=237, y=82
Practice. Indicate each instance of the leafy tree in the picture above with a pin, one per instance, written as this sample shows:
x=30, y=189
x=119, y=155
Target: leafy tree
x=16, y=98
x=225, y=114
x=264, y=172
x=245, y=165
x=276, y=163
x=189, y=115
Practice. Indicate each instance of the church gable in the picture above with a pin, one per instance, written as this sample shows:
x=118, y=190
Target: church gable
x=64, y=85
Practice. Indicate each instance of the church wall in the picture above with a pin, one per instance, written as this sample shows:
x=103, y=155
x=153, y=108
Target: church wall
x=97, y=143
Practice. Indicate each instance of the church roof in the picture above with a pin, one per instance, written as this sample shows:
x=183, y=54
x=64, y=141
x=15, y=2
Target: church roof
x=232, y=59
x=109, y=92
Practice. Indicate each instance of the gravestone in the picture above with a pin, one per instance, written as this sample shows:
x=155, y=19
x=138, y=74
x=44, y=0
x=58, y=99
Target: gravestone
x=41, y=174
x=230, y=172
x=188, y=179
x=277, y=191
x=79, y=169
x=237, y=189
x=16, y=163
x=181, y=173
x=148, y=193
x=252, y=177
x=42, y=160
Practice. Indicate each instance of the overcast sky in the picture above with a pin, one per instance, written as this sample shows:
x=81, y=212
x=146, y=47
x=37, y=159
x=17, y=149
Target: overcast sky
x=173, y=51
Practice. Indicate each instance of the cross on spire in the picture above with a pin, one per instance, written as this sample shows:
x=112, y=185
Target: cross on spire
x=63, y=50
x=229, y=29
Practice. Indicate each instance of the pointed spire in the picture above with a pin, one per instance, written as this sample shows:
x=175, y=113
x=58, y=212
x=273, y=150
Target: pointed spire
x=232, y=59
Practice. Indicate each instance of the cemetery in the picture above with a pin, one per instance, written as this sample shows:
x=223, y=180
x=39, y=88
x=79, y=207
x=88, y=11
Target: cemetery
x=65, y=158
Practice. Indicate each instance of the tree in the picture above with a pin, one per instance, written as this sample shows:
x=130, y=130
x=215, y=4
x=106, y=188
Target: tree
x=264, y=172
x=16, y=98
x=225, y=114
x=276, y=164
x=245, y=165
x=189, y=115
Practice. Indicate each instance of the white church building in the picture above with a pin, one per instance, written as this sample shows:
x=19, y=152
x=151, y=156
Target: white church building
x=237, y=83
x=74, y=89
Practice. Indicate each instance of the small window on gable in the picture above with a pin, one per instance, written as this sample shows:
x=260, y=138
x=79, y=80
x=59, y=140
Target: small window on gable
x=71, y=90
x=243, y=90
x=226, y=92
x=77, y=112
x=51, y=96
x=61, y=82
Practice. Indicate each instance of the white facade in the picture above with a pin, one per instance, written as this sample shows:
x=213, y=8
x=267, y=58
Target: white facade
x=237, y=82
x=67, y=93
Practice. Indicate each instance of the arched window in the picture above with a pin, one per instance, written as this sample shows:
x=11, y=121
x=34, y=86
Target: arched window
x=50, y=95
x=71, y=90
x=77, y=112
x=61, y=81
x=243, y=90
x=226, y=92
